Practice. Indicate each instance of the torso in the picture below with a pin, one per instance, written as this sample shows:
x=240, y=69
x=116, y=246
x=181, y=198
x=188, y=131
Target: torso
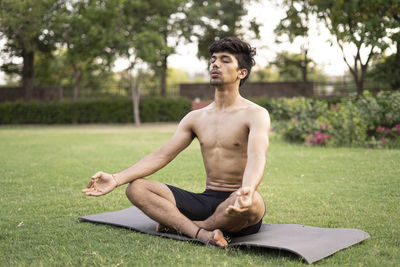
x=223, y=136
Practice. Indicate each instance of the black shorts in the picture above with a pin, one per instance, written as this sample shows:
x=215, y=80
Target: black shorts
x=200, y=206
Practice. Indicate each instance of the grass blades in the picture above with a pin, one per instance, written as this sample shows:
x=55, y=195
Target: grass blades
x=43, y=169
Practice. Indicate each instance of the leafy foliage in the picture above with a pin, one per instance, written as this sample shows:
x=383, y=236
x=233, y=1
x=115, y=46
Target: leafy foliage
x=365, y=25
x=29, y=26
x=387, y=71
x=296, y=26
x=208, y=21
x=291, y=66
x=118, y=110
x=352, y=121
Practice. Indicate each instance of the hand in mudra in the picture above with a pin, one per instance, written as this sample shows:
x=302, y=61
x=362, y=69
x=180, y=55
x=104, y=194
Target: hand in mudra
x=244, y=199
x=101, y=183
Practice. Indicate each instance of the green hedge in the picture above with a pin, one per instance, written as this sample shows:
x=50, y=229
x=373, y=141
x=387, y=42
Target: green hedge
x=353, y=121
x=372, y=121
x=115, y=110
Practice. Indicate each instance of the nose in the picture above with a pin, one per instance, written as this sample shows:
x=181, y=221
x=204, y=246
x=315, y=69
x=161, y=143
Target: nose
x=215, y=64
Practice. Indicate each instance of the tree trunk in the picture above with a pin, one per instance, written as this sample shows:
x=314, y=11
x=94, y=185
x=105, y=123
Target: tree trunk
x=396, y=85
x=27, y=74
x=304, y=67
x=135, y=89
x=77, y=76
x=360, y=86
x=163, y=80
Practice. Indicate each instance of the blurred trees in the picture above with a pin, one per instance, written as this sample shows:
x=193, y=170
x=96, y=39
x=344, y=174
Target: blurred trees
x=291, y=67
x=75, y=37
x=210, y=20
x=29, y=27
x=370, y=27
x=387, y=68
x=203, y=21
x=87, y=29
x=386, y=72
x=295, y=26
x=76, y=42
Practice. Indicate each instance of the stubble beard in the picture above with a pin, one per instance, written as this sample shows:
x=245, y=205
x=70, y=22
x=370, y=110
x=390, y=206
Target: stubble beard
x=216, y=82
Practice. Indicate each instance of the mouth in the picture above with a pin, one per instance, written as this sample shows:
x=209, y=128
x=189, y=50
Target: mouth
x=215, y=73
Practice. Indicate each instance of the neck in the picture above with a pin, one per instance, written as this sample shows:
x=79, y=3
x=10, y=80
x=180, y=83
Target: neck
x=225, y=98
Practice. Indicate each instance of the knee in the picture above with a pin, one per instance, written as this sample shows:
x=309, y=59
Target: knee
x=136, y=191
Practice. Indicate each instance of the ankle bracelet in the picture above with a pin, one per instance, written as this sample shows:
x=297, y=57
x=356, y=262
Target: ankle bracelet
x=197, y=233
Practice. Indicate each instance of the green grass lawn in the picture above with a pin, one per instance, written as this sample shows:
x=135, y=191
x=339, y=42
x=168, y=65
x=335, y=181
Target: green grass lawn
x=44, y=168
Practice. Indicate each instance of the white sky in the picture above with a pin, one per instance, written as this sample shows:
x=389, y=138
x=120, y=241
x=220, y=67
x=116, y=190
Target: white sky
x=268, y=14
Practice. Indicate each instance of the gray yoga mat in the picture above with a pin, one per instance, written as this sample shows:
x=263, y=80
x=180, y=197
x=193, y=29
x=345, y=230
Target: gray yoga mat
x=310, y=243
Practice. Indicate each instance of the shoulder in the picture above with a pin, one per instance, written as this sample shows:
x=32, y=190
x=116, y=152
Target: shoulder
x=257, y=113
x=198, y=113
x=193, y=117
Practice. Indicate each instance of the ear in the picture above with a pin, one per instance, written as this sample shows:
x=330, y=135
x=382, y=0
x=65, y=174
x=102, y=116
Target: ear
x=242, y=73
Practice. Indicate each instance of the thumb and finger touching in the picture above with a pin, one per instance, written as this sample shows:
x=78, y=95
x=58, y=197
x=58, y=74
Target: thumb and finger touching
x=98, y=185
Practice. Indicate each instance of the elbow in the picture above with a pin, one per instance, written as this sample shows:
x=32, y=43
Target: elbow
x=258, y=158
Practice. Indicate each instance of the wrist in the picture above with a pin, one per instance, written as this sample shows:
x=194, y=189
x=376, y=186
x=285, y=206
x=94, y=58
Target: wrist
x=115, y=179
x=248, y=190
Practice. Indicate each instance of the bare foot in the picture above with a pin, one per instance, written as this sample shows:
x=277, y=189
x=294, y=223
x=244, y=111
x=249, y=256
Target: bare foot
x=164, y=229
x=215, y=237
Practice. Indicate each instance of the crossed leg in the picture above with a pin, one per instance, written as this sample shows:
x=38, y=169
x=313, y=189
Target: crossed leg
x=157, y=201
x=233, y=222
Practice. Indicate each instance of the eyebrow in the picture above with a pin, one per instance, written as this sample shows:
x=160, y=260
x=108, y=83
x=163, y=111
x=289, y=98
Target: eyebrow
x=223, y=56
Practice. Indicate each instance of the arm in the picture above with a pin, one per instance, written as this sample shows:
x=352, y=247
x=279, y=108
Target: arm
x=257, y=146
x=103, y=183
x=158, y=159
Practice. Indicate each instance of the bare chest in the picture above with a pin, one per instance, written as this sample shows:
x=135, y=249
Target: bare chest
x=224, y=131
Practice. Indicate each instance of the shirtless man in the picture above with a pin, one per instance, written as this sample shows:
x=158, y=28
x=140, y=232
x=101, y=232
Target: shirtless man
x=233, y=135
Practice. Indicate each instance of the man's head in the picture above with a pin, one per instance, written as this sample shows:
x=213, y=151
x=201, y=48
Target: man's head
x=242, y=51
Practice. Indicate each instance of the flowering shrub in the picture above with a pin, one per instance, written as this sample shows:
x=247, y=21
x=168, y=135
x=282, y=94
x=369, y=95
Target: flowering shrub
x=386, y=137
x=364, y=121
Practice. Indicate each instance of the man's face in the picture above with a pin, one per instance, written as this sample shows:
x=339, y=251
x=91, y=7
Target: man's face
x=224, y=69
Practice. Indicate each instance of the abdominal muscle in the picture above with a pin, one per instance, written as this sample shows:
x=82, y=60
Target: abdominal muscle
x=224, y=169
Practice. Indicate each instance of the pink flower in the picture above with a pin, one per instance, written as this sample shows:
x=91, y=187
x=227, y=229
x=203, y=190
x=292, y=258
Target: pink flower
x=380, y=129
x=317, y=138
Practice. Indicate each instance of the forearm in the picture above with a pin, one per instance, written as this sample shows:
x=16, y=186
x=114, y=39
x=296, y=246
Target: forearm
x=254, y=172
x=143, y=168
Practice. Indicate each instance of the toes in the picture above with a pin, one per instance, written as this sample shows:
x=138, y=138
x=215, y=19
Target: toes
x=219, y=238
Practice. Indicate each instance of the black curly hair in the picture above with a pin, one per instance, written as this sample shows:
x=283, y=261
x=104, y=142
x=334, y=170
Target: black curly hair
x=242, y=51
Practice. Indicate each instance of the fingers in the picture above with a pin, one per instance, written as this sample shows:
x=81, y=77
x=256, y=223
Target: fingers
x=92, y=192
x=232, y=210
x=244, y=201
x=97, y=175
x=243, y=191
x=90, y=184
x=91, y=188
